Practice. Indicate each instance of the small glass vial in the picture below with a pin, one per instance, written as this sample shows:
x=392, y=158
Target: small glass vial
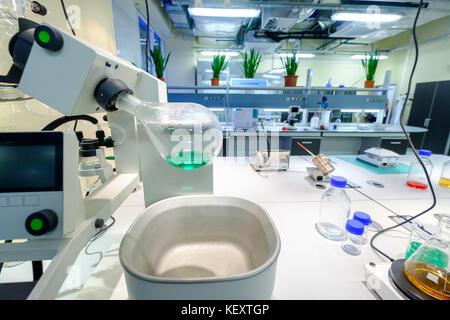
x=353, y=238
x=416, y=176
x=444, y=180
x=364, y=218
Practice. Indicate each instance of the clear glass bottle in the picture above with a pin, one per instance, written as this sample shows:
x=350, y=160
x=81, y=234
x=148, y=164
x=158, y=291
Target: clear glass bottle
x=334, y=210
x=444, y=180
x=428, y=267
x=351, y=243
x=364, y=218
x=416, y=176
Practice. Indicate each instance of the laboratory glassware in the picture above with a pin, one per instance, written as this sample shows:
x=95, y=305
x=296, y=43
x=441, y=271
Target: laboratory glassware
x=351, y=243
x=428, y=267
x=336, y=123
x=415, y=239
x=444, y=180
x=334, y=210
x=89, y=165
x=416, y=175
x=364, y=218
x=187, y=135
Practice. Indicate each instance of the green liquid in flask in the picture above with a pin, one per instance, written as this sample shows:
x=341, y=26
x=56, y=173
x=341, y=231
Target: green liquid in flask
x=188, y=160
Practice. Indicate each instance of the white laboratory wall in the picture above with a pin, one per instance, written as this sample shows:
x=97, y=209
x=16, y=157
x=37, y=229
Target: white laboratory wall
x=126, y=27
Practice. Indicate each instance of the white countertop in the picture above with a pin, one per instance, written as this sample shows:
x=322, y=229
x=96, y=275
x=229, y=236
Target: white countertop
x=309, y=266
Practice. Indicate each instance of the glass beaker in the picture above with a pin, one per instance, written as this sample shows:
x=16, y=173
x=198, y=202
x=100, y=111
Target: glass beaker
x=416, y=176
x=428, y=267
x=444, y=180
x=187, y=135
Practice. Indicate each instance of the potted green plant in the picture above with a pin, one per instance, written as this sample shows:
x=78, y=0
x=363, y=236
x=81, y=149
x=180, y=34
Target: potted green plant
x=291, y=65
x=159, y=62
x=251, y=63
x=370, y=64
x=218, y=65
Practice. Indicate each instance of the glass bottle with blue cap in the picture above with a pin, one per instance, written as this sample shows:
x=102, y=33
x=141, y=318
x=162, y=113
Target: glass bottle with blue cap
x=334, y=210
x=364, y=218
x=353, y=238
x=416, y=176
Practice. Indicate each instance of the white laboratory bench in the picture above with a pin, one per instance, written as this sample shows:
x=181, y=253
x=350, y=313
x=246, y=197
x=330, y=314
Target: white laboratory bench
x=309, y=266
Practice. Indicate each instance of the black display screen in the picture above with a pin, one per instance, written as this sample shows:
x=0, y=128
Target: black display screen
x=31, y=161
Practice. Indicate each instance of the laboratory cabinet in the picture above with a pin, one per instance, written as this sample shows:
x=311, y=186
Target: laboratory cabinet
x=312, y=144
x=397, y=145
x=431, y=109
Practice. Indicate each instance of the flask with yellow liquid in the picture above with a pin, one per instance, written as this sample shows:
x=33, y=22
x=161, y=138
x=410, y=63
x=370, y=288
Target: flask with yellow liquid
x=428, y=267
x=444, y=180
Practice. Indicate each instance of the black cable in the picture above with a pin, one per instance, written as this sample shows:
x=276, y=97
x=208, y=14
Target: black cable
x=147, y=35
x=67, y=17
x=64, y=119
x=409, y=141
x=75, y=125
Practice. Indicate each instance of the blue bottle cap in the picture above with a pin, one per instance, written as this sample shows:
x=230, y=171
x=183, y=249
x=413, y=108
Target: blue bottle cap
x=363, y=217
x=354, y=227
x=338, y=182
x=423, y=152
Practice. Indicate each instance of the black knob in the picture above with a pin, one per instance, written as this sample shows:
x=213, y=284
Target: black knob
x=41, y=222
x=48, y=38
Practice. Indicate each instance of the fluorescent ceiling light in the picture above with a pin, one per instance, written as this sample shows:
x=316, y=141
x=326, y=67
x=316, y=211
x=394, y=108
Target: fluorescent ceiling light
x=365, y=17
x=216, y=109
x=221, y=12
x=276, y=110
x=358, y=110
x=223, y=53
x=362, y=56
x=297, y=55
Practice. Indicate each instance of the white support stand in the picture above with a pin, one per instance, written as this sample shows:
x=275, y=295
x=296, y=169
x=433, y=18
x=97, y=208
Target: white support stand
x=377, y=279
x=100, y=204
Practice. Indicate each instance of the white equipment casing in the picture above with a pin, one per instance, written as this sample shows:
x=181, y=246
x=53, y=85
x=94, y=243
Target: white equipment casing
x=71, y=76
x=380, y=157
x=67, y=204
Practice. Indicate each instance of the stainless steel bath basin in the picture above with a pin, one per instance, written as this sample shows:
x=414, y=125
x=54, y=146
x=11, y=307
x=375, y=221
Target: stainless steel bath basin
x=201, y=247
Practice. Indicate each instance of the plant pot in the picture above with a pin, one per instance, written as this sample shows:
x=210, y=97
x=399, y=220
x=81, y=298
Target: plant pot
x=290, y=81
x=162, y=79
x=215, y=82
x=369, y=84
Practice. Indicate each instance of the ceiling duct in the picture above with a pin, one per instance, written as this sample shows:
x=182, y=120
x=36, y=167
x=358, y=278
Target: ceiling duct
x=259, y=43
x=283, y=18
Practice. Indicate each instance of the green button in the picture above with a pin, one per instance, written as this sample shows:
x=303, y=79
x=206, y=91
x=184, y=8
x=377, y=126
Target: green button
x=44, y=36
x=36, y=224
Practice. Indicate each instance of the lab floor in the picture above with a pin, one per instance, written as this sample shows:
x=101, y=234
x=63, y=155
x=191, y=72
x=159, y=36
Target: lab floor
x=309, y=266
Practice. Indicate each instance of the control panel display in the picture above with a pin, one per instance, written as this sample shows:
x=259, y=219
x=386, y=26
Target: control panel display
x=29, y=164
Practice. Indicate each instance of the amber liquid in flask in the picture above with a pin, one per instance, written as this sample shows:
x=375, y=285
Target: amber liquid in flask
x=437, y=280
x=428, y=267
